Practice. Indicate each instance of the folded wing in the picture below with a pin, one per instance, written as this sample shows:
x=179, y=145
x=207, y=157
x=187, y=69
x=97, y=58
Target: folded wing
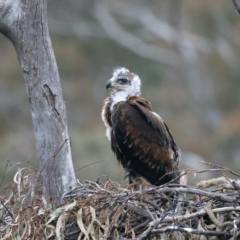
x=142, y=142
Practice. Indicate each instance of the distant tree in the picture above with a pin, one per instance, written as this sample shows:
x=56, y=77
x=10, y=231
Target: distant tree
x=24, y=23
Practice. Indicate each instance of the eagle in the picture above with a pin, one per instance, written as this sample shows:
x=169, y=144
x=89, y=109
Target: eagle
x=140, y=139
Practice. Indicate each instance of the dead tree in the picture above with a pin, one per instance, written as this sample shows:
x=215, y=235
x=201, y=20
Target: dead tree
x=24, y=23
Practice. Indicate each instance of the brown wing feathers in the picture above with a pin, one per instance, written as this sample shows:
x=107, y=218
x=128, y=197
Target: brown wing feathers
x=142, y=141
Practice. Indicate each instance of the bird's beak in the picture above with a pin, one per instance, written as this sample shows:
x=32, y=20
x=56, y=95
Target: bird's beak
x=110, y=83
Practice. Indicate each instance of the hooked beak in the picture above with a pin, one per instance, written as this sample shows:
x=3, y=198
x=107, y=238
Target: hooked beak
x=110, y=83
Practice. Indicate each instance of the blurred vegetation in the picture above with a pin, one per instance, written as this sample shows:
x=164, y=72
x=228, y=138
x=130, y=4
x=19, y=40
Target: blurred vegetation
x=187, y=54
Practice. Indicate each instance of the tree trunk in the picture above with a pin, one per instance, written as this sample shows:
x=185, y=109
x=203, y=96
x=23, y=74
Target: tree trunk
x=24, y=22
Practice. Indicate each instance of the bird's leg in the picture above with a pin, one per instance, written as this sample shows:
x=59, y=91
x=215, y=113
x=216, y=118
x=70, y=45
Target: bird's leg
x=131, y=175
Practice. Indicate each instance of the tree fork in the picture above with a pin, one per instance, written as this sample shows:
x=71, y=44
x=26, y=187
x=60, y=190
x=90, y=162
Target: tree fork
x=24, y=23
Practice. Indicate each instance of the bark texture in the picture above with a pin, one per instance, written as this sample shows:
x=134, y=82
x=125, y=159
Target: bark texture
x=24, y=22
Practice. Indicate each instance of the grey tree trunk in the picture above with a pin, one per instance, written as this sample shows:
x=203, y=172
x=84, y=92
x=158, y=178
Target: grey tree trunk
x=24, y=22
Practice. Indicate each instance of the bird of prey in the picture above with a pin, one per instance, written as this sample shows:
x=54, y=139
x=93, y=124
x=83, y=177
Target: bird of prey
x=139, y=137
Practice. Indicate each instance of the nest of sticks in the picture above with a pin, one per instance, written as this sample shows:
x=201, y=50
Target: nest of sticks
x=96, y=210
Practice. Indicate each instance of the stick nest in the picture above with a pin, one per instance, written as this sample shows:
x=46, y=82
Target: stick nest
x=94, y=210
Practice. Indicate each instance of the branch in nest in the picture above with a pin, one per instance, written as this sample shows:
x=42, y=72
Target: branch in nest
x=190, y=230
x=179, y=189
x=219, y=168
x=139, y=211
x=189, y=189
x=236, y=186
x=197, y=214
x=208, y=209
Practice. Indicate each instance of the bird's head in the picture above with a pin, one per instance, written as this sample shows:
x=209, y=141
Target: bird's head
x=124, y=81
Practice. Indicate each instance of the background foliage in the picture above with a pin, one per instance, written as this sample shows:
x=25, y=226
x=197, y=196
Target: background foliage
x=186, y=53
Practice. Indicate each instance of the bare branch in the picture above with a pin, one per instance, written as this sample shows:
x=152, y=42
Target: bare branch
x=182, y=189
x=190, y=230
x=131, y=42
x=237, y=6
x=187, y=41
x=197, y=214
x=218, y=168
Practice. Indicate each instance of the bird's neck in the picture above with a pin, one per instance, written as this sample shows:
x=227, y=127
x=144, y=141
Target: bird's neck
x=120, y=96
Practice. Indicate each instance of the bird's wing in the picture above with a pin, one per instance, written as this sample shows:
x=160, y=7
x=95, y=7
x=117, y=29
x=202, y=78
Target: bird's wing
x=141, y=135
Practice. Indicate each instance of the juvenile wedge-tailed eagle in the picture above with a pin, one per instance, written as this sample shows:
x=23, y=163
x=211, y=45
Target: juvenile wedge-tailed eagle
x=139, y=137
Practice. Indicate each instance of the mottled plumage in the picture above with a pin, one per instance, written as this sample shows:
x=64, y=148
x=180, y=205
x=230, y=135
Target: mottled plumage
x=139, y=137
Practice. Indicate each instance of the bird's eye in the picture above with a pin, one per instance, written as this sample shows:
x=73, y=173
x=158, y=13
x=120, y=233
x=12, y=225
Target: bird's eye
x=122, y=81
